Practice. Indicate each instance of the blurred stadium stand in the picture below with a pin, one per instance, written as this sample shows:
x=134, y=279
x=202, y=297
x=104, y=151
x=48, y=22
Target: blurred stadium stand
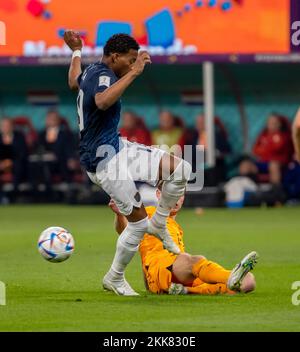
x=257, y=88
x=260, y=86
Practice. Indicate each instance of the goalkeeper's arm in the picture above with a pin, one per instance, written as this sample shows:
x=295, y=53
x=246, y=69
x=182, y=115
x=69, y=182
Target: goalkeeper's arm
x=120, y=220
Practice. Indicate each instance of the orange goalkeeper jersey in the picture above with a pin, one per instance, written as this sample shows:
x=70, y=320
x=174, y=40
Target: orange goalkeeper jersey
x=151, y=246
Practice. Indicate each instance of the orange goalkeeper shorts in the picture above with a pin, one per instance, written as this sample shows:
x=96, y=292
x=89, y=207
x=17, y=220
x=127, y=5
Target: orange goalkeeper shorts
x=158, y=271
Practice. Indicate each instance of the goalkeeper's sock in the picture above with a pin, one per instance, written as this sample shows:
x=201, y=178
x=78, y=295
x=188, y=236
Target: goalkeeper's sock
x=127, y=244
x=210, y=272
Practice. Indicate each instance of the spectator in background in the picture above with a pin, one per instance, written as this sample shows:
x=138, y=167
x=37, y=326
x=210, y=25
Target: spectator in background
x=296, y=135
x=241, y=189
x=198, y=137
x=134, y=130
x=291, y=176
x=273, y=149
x=13, y=153
x=168, y=134
x=58, y=149
x=248, y=168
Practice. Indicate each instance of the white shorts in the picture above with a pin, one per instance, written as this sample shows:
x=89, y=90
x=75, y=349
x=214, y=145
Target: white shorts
x=134, y=163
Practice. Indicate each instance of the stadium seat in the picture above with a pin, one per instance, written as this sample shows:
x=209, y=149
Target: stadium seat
x=107, y=29
x=160, y=29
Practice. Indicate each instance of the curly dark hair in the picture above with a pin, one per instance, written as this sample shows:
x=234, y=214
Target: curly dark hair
x=120, y=43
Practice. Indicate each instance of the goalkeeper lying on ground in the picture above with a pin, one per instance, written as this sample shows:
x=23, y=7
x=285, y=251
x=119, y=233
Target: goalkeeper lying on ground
x=165, y=272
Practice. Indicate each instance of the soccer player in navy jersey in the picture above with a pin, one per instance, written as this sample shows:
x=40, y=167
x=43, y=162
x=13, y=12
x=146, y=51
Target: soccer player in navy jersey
x=115, y=164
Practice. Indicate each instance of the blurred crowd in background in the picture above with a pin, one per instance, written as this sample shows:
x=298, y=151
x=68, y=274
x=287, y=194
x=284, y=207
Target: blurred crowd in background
x=45, y=166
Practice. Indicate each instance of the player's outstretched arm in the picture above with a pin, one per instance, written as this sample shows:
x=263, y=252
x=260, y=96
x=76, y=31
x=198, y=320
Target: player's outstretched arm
x=111, y=95
x=74, y=42
x=296, y=134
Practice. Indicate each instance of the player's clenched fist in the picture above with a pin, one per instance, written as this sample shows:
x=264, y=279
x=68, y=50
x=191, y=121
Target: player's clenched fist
x=142, y=59
x=73, y=40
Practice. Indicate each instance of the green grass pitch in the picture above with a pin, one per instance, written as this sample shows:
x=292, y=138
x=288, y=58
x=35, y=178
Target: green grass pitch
x=67, y=296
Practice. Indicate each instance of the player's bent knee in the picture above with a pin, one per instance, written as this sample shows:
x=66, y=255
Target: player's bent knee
x=183, y=269
x=248, y=284
x=137, y=214
x=196, y=258
x=183, y=262
x=185, y=256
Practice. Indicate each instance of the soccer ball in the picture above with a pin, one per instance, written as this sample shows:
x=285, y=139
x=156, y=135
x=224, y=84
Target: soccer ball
x=56, y=244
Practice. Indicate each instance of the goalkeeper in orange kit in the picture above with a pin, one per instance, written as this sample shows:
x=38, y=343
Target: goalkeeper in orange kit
x=184, y=273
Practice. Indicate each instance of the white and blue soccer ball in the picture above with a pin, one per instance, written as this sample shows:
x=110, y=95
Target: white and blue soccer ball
x=56, y=244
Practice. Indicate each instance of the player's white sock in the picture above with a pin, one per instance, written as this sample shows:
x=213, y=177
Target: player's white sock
x=127, y=244
x=173, y=188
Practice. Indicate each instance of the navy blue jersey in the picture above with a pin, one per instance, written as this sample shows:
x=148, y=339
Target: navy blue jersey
x=97, y=128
